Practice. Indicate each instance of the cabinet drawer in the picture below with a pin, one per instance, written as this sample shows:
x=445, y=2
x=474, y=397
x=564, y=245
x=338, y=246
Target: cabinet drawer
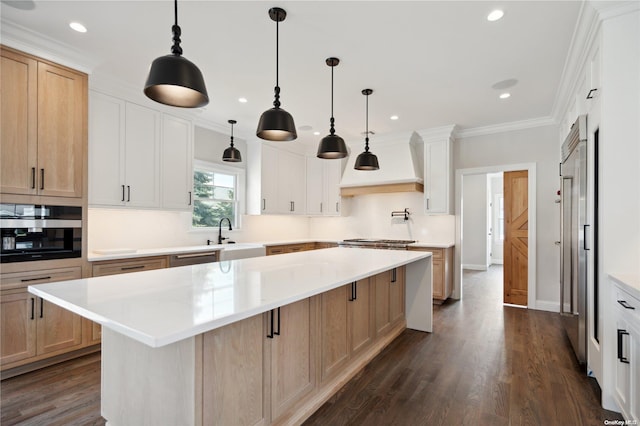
x=437, y=253
x=628, y=305
x=276, y=250
x=185, y=259
x=126, y=266
x=16, y=280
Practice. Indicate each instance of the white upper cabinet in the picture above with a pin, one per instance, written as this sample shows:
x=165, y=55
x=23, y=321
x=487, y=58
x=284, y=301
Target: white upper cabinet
x=323, y=187
x=177, y=163
x=138, y=157
x=276, y=180
x=438, y=173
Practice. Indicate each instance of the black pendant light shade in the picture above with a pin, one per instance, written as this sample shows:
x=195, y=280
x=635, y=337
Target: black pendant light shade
x=367, y=160
x=174, y=80
x=332, y=146
x=232, y=154
x=276, y=124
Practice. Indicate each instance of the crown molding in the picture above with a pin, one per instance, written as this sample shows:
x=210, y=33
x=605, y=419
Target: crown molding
x=584, y=35
x=612, y=9
x=436, y=133
x=506, y=127
x=34, y=43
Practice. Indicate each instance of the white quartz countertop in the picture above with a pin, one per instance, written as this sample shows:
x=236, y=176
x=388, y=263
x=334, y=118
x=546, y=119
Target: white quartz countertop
x=164, y=306
x=629, y=282
x=432, y=245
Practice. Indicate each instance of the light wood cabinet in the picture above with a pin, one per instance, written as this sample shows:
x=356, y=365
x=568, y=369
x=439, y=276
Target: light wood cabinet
x=32, y=328
x=125, y=266
x=44, y=127
x=442, y=259
x=233, y=374
x=346, y=315
x=389, y=299
x=289, y=248
x=396, y=295
x=292, y=354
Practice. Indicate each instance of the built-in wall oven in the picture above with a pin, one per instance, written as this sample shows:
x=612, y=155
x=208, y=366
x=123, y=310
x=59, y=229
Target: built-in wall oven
x=38, y=232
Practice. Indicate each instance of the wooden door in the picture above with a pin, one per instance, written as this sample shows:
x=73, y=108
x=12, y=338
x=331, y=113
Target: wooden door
x=19, y=129
x=18, y=326
x=232, y=371
x=292, y=357
x=334, y=339
x=62, y=130
x=383, y=319
x=516, y=224
x=361, y=318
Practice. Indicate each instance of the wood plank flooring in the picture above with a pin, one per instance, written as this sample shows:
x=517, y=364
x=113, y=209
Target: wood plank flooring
x=485, y=365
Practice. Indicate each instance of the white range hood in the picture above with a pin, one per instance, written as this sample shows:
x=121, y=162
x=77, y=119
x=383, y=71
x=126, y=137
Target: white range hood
x=401, y=159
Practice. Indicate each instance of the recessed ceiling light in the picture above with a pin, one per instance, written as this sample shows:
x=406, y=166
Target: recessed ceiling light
x=242, y=100
x=495, y=15
x=77, y=26
x=316, y=133
x=394, y=117
x=505, y=95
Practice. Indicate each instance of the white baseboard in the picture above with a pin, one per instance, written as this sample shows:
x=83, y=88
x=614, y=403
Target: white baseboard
x=545, y=305
x=497, y=261
x=474, y=267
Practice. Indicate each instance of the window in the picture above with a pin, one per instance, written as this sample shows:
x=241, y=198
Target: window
x=216, y=195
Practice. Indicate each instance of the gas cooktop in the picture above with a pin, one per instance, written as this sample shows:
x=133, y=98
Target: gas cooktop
x=373, y=242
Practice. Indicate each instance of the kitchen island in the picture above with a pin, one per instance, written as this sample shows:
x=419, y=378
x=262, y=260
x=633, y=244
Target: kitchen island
x=252, y=341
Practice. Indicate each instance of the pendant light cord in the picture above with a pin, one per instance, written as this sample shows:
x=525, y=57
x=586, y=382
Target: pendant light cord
x=332, y=131
x=276, y=101
x=231, y=135
x=176, y=49
x=366, y=139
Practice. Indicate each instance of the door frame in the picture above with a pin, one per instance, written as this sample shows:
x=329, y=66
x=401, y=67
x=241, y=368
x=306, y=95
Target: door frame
x=459, y=193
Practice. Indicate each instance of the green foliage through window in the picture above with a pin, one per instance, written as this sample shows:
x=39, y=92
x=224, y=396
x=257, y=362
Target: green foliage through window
x=215, y=198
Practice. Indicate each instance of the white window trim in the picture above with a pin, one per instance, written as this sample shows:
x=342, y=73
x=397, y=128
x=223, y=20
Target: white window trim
x=240, y=174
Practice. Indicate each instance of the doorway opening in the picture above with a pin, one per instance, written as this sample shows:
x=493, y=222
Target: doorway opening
x=486, y=245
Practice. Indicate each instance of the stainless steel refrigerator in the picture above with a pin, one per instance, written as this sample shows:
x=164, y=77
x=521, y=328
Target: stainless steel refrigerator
x=573, y=241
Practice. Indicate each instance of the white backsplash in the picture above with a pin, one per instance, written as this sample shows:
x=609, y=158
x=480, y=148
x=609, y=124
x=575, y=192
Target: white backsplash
x=370, y=217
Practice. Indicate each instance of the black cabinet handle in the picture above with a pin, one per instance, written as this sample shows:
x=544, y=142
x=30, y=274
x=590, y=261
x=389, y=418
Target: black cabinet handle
x=290, y=206
x=264, y=204
x=337, y=208
x=128, y=193
x=33, y=178
x=625, y=304
x=41, y=178
x=189, y=198
x=622, y=358
x=584, y=237
x=352, y=296
x=393, y=275
x=320, y=207
x=123, y=193
x=26, y=280
x=41, y=307
x=277, y=333
x=130, y=268
x=589, y=96
x=270, y=333
x=33, y=308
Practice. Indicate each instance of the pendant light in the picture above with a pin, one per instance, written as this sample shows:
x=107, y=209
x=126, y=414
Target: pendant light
x=276, y=124
x=367, y=160
x=232, y=154
x=332, y=145
x=173, y=79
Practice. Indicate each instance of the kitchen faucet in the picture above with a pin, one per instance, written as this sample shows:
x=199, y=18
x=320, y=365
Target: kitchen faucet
x=220, y=237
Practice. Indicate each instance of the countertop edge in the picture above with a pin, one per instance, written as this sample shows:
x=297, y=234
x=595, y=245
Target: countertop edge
x=628, y=282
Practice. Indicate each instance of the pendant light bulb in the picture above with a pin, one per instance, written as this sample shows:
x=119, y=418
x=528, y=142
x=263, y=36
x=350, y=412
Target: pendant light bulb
x=367, y=160
x=276, y=124
x=173, y=79
x=232, y=154
x=332, y=146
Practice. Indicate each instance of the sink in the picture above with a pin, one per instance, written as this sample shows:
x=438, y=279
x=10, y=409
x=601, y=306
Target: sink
x=241, y=251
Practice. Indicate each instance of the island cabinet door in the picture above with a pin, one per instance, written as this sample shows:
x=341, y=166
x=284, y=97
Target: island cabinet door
x=334, y=338
x=361, y=317
x=57, y=328
x=382, y=283
x=396, y=295
x=18, y=326
x=292, y=351
x=233, y=374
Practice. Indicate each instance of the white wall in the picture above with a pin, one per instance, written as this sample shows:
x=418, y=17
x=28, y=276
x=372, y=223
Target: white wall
x=474, y=225
x=537, y=145
x=497, y=187
x=209, y=145
x=371, y=217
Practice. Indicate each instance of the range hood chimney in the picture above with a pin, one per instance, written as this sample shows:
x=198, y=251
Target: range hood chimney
x=401, y=159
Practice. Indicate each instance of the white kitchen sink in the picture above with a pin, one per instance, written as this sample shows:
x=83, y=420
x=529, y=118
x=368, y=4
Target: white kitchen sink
x=242, y=251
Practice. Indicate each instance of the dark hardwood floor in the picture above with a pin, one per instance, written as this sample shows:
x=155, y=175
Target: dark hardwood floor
x=485, y=365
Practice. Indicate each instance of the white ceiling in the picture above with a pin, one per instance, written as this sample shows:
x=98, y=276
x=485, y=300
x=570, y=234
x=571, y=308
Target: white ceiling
x=432, y=63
